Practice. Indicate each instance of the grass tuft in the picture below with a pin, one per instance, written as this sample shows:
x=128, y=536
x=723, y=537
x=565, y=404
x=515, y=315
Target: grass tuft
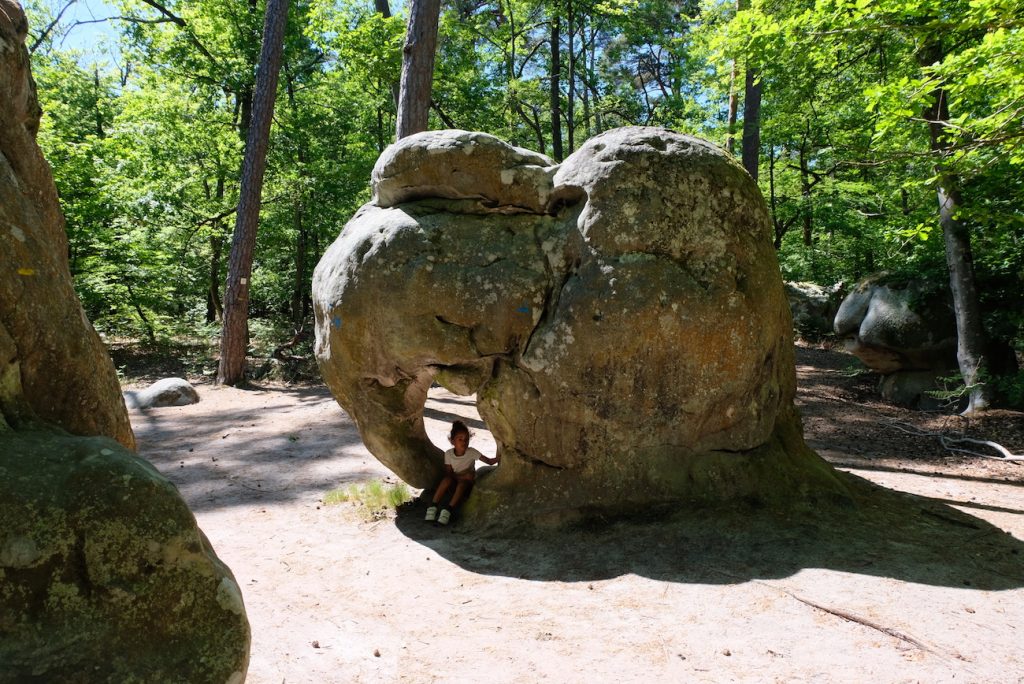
x=375, y=500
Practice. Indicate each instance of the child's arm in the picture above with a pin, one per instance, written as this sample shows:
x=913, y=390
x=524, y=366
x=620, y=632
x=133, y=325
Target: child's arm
x=490, y=461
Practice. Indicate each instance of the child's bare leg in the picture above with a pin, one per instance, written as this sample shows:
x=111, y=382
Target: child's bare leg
x=442, y=488
x=460, y=490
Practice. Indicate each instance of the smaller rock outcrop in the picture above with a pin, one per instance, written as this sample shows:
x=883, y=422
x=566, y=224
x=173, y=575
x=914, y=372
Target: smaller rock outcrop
x=814, y=307
x=458, y=165
x=166, y=392
x=904, y=330
x=104, y=574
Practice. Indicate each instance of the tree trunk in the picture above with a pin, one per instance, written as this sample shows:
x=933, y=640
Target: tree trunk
x=100, y=133
x=773, y=200
x=970, y=332
x=234, y=336
x=300, y=288
x=150, y=333
x=385, y=11
x=556, y=90
x=592, y=80
x=751, y=144
x=214, y=303
x=570, y=101
x=417, y=67
x=244, y=112
x=214, y=306
x=805, y=194
x=730, y=141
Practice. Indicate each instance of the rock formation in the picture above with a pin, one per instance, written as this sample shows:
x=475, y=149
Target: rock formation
x=166, y=392
x=620, y=317
x=104, y=575
x=904, y=330
x=66, y=374
x=814, y=307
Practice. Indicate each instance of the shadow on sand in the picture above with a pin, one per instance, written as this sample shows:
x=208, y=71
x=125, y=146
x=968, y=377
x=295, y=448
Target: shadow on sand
x=886, y=534
x=235, y=458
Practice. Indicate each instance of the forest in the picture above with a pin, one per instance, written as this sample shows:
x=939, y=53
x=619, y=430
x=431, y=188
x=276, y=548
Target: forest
x=885, y=136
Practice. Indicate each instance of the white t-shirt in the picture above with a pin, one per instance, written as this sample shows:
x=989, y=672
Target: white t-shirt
x=461, y=464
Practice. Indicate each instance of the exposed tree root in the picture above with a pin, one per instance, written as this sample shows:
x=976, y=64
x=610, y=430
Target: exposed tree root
x=947, y=442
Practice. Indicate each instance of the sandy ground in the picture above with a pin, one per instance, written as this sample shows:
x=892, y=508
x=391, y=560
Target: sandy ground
x=918, y=587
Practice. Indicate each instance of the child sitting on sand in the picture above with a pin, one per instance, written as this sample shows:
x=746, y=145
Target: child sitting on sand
x=460, y=470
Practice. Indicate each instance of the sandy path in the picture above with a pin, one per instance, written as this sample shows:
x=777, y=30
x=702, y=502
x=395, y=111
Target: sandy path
x=908, y=589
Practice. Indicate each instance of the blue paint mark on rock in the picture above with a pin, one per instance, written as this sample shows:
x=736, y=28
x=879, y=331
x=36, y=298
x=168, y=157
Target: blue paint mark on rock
x=336, y=322
x=523, y=310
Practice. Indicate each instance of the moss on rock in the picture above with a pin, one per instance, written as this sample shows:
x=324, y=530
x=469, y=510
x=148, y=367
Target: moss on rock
x=104, y=575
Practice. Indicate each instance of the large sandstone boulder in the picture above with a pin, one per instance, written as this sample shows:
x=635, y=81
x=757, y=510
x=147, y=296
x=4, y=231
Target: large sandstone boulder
x=65, y=371
x=898, y=325
x=104, y=575
x=904, y=330
x=628, y=337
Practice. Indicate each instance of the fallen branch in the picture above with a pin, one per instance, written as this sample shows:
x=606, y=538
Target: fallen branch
x=851, y=617
x=946, y=441
x=300, y=335
x=846, y=615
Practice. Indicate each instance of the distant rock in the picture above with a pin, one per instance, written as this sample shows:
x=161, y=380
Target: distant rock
x=166, y=392
x=814, y=307
x=903, y=329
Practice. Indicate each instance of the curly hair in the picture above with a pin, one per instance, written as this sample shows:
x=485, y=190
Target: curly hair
x=458, y=427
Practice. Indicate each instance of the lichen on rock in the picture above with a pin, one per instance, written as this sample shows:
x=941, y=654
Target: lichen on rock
x=625, y=331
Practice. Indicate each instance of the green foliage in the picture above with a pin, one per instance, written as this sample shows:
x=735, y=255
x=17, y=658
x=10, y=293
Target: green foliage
x=1010, y=388
x=146, y=155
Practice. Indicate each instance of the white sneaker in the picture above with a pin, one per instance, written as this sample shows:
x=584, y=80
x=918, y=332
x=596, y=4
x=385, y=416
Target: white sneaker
x=431, y=514
x=444, y=517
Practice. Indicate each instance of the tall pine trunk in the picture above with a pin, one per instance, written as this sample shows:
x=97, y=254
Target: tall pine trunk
x=970, y=332
x=300, y=288
x=234, y=340
x=751, y=143
x=556, y=89
x=214, y=303
x=730, y=141
x=384, y=10
x=417, y=67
